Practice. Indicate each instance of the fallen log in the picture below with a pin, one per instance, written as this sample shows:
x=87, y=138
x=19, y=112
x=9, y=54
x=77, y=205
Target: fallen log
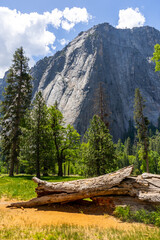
x=74, y=190
x=89, y=185
x=113, y=189
x=138, y=192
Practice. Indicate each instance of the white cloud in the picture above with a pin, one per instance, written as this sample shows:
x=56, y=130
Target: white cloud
x=67, y=25
x=130, y=18
x=76, y=15
x=63, y=41
x=31, y=31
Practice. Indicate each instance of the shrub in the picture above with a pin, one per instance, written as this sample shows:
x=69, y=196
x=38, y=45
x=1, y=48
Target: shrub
x=143, y=216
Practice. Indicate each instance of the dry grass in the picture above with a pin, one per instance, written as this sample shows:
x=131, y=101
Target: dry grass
x=50, y=224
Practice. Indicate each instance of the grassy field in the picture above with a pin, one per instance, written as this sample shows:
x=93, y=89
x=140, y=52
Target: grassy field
x=68, y=232
x=22, y=188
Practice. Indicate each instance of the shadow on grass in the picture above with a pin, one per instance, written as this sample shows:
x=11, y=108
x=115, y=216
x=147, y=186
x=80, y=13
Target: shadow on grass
x=47, y=178
x=80, y=206
x=23, y=177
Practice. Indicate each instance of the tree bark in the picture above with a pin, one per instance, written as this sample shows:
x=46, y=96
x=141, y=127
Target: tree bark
x=111, y=189
x=13, y=159
x=11, y=171
x=38, y=144
x=68, y=168
x=64, y=169
x=60, y=170
x=48, y=192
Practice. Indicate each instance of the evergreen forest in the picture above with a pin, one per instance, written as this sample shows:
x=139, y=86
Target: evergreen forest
x=35, y=139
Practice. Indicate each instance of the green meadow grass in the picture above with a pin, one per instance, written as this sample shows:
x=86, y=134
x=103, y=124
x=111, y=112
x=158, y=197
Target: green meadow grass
x=22, y=187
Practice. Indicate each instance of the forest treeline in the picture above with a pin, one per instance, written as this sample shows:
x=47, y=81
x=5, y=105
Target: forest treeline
x=36, y=140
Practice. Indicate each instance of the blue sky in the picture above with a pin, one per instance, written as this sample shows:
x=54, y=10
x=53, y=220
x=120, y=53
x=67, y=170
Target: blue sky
x=44, y=26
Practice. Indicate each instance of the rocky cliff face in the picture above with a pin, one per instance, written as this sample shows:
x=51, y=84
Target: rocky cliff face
x=2, y=85
x=120, y=59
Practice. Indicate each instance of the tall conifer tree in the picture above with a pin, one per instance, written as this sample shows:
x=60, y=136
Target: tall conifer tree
x=101, y=105
x=141, y=125
x=17, y=97
x=35, y=141
x=99, y=154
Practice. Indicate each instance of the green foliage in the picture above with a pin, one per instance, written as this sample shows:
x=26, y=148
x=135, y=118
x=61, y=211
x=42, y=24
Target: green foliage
x=45, y=143
x=128, y=147
x=22, y=187
x=99, y=152
x=142, y=126
x=123, y=213
x=154, y=154
x=17, y=97
x=156, y=57
x=80, y=165
x=66, y=141
x=39, y=141
x=154, y=162
x=35, y=142
x=125, y=154
x=143, y=216
x=128, y=154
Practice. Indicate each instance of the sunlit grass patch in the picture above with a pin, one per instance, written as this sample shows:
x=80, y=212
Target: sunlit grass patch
x=22, y=187
x=71, y=232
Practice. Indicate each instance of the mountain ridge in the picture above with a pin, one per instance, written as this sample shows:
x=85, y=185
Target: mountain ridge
x=118, y=58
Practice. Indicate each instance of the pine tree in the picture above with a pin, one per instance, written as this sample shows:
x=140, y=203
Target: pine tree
x=17, y=97
x=130, y=132
x=99, y=154
x=56, y=130
x=128, y=146
x=142, y=126
x=70, y=146
x=35, y=141
x=101, y=106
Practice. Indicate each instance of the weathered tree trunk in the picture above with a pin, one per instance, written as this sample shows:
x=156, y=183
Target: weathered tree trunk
x=17, y=167
x=138, y=192
x=60, y=169
x=11, y=171
x=111, y=189
x=38, y=145
x=45, y=170
x=97, y=184
x=64, y=169
x=68, y=168
x=48, y=192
